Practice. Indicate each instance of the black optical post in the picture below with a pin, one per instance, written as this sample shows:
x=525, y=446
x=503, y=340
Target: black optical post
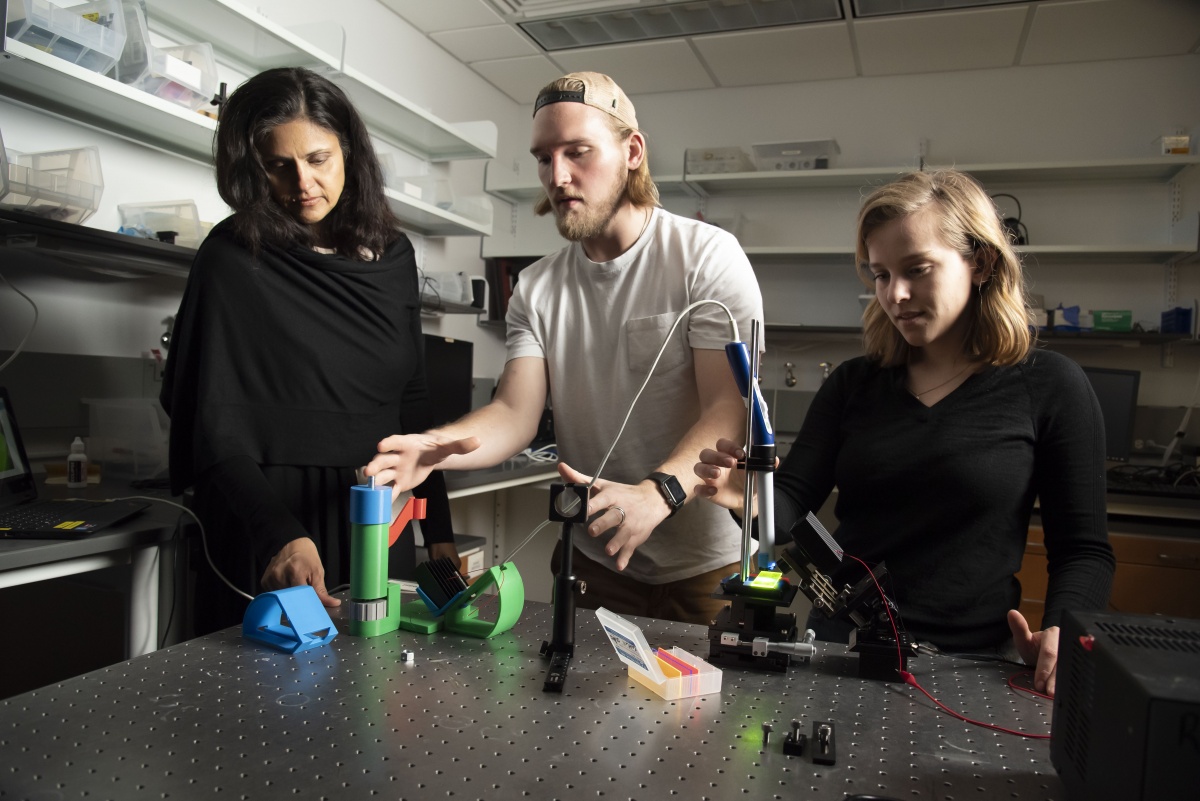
x=568, y=505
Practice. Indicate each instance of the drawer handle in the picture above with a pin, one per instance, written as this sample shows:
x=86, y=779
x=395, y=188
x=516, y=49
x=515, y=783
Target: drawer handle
x=1178, y=559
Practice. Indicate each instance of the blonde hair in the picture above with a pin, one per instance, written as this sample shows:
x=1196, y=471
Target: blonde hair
x=999, y=332
x=640, y=189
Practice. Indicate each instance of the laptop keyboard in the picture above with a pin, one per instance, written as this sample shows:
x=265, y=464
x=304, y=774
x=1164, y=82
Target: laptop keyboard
x=40, y=516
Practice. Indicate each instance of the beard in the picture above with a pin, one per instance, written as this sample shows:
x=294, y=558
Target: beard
x=576, y=225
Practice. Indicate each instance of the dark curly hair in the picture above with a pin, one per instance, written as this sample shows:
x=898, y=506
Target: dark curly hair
x=361, y=218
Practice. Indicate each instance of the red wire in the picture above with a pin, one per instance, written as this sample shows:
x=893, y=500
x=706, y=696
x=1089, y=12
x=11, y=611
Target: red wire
x=910, y=679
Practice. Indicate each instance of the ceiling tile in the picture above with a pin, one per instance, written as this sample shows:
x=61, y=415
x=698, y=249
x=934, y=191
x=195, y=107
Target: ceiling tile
x=667, y=65
x=519, y=78
x=936, y=42
x=781, y=55
x=1103, y=29
x=485, y=44
x=444, y=15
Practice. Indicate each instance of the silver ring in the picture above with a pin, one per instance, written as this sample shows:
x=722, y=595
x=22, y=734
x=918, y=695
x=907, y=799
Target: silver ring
x=622, y=511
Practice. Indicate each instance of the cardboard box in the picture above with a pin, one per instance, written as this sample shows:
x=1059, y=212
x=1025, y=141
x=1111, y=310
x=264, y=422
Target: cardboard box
x=1112, y=320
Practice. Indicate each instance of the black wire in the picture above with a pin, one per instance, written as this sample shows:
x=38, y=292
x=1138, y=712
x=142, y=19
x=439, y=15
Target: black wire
x=1014, y=199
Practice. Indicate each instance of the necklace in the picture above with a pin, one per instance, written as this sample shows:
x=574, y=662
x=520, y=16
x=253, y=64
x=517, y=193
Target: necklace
x=918, y=395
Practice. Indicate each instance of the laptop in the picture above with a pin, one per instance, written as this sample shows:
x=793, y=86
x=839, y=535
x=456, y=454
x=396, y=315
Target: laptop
x=23, y=515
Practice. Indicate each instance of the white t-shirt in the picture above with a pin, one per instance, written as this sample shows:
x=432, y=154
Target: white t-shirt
x=599, y=327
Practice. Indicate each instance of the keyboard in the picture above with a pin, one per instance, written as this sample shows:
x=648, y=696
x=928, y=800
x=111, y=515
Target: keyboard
x=1155, y=483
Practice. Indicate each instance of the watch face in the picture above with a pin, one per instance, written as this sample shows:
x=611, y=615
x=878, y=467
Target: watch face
x=673, y=491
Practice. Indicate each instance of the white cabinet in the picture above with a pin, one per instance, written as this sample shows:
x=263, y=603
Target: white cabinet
x=246, y=42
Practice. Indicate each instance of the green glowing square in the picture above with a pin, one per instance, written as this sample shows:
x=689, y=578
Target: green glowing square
x=766, y=580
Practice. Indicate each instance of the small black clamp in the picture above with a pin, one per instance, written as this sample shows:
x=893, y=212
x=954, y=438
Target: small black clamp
x=793, y=744
x=824, y=746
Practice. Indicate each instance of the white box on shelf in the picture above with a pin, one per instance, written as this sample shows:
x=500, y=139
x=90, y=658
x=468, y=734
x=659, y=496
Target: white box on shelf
x=473, y=207
x=815, y=154
x=128, y=436
x=446, y=288
x=153, y=218
x=714, y=160
x=186, y=75
x=90, y=33
x=63, y=185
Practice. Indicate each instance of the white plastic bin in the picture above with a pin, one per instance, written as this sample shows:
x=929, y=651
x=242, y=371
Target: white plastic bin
x=90, y=34
x=180, y=216
x=128, y=436
x=186, y=75
x=63, y=185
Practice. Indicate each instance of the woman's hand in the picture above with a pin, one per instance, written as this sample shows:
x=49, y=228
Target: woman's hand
x=1037, y=648
x=723, y=483
x=405, y=460
x=295, y=565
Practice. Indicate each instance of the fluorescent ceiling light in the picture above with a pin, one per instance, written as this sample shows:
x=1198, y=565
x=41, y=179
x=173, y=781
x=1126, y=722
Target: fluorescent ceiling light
x=664, y=21
x=880, y=8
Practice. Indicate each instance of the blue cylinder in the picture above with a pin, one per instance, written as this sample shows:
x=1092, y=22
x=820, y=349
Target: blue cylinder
x=370, y=506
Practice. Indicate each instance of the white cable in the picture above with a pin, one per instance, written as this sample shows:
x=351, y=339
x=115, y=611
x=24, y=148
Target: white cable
x=20, y=345
x=524, y=542
x=203, y=538
x=650, y=374
x=1183, y=424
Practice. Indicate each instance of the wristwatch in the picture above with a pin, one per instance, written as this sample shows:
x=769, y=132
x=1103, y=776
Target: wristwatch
x=671, y=490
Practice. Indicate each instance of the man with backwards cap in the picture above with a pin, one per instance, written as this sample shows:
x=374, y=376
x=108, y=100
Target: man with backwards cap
x=585, y=325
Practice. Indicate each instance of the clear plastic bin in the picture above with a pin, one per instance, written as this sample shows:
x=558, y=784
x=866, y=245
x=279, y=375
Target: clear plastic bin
x=128, y=436
x=186, y=75
x=473, y=207
x=63, y=185
x=180, y=216
x=713, y=160
x=135, y=57
x=429, y=188
x=90, y=34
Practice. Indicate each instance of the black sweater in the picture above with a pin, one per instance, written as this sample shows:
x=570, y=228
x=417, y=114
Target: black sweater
x=944, y=494
x=294, y=358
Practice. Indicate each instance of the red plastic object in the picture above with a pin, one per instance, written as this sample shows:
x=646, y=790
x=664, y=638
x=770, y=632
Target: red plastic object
x=414, y=509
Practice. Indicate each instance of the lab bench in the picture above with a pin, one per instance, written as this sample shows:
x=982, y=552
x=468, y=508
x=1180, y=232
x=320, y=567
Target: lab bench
x=468, y=718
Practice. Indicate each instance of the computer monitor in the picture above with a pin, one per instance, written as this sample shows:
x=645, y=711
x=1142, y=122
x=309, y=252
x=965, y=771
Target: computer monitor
x=1117, y=391
x=448, y=367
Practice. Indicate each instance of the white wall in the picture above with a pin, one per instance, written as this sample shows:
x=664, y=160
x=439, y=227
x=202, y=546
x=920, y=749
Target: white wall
x=1092, y=111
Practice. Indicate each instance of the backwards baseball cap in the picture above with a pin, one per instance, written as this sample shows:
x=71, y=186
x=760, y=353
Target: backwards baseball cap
x=592, y=89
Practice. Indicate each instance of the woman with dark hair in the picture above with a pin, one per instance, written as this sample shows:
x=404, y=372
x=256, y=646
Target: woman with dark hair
x=296, y=349
x=943, y=435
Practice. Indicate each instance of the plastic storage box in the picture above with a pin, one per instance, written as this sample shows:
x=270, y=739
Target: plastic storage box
x=151, y=219
x=646, y=666
x=90, y=34
x=816, y=154
x=128, y=436
x=473, y=207
x=1177, y=320
x=63, y=185
x=713, y=160
x=186, y=75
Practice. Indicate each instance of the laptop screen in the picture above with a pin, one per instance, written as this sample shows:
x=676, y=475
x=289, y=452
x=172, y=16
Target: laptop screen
x=16, y=479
